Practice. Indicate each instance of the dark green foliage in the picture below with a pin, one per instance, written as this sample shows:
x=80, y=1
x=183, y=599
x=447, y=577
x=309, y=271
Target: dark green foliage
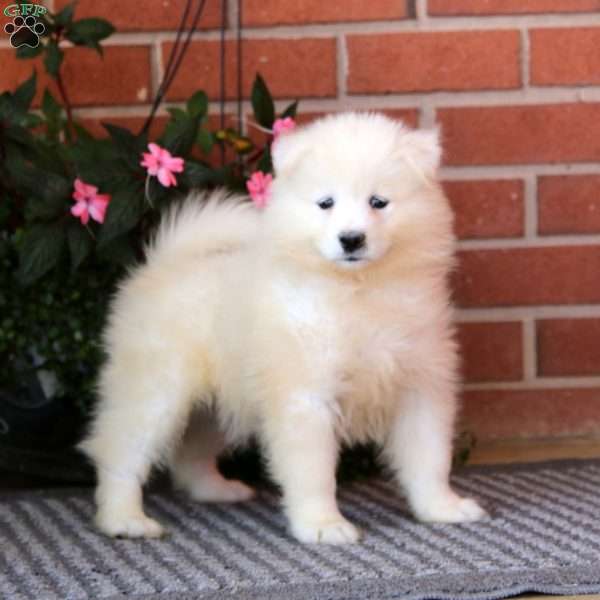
x=56, y=274
x=89, y=32
x=262, y=103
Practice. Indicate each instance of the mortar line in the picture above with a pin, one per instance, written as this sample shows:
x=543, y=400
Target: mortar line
x=530, y=204
x=525, y=58
x=233, y=7
x=518, y=171
x=156, y=67
x=546, y=383
x=421, y=24
x=529, y=349
x=421, y=12
x=549, y=241
x=519, y=313
x=342, y=67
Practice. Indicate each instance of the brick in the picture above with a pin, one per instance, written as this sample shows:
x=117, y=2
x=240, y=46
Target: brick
x=14, y=72
x=512, y=135
x=528, y=276
x=274, y=12
x=150, y=15
x=541, y=413
x=433, y=61
x=566, y=56
x=508, y=7
x=121, y=77
x=491, y=351
x=410, y=116
x=569, y=204
x=487, y=209
x=568, y=347
x=291, y=67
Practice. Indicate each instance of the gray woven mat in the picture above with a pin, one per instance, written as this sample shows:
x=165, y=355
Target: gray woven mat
x=544, y=536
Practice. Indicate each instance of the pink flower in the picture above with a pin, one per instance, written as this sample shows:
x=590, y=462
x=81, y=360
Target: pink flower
x=259, y=188
x=283, y=126
x=160, y=162
x=89, y=203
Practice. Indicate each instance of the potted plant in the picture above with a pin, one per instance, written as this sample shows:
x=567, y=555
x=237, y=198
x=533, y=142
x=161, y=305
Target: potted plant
x=76, y=210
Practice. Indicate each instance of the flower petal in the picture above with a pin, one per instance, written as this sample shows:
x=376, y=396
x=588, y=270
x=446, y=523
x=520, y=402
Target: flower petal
x=155, y=149
x=164, y=176
x=97, y=211
x=81, y=210
x=175, y=164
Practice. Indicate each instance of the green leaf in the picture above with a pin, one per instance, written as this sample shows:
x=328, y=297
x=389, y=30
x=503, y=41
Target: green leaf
x=205, y=140
x=48, y=193
x=265, y=164
x=26, y=52
x=180, y=135
x=177, y=113
x=83, y=133
x=32, y=120
x=262, y=103
x=7, y=106
x=124, y=212
x=39, y=251
x=50, y=107
x=290, y=111
x=21, y=136
x=197, y=105
x=119, y=251
x=198, y=175
x=89, y=32
x=23, y=95
x=64, y=18
x=129, y=145
x=80, y=243
x=125, y=139
x=39, y=208
x=52, y=111
x=53, y=59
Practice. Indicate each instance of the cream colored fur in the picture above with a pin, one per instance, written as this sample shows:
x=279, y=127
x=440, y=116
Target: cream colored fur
x=246, y=322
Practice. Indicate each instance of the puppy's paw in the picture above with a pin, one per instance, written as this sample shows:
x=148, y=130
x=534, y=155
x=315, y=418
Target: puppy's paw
x=129, y=526
x=334, y=530
x=451, y=508
x=221, y=490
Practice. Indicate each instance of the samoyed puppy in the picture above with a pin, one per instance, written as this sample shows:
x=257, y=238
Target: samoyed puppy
x=323, y=319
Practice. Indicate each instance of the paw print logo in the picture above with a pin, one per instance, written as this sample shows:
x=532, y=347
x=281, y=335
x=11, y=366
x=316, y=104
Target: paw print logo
x=25, y=31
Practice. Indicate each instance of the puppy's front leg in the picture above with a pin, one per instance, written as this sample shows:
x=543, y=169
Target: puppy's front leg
x=420, y=452
x=303, y=451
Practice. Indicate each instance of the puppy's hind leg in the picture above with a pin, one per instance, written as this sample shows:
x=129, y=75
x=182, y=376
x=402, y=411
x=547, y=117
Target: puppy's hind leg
x=194, y=463
x=140, y=415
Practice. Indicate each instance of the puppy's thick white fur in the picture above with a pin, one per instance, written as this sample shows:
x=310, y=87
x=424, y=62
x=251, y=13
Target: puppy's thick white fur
x=246, y=322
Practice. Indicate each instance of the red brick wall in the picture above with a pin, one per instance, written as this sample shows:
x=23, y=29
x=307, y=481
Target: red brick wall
x=515, y=86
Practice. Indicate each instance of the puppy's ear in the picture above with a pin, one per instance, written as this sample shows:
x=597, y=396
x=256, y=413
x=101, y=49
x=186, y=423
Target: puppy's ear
x=287, y=150
x=421, y=149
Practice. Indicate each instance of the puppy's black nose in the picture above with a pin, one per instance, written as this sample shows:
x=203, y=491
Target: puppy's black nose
x=352, y=241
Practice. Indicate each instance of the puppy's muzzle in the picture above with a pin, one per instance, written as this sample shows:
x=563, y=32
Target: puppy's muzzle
x=351, y=241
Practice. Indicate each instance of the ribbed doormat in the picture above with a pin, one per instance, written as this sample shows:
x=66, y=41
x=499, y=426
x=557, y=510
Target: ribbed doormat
x=543, y=536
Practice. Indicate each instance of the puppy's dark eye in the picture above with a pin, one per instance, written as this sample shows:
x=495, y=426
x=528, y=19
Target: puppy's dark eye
x=378, y=202
x=326, y=203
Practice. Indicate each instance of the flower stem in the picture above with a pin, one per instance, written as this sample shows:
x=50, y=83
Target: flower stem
x=63, y=94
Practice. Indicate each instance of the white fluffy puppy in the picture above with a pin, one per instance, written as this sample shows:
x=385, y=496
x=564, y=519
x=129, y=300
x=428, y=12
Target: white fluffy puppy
x=323, y=319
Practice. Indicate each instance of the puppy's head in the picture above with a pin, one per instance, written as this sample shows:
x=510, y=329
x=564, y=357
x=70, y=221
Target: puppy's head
x=352, y=188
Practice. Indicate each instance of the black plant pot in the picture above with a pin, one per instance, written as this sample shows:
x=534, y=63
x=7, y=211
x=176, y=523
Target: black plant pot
x=38, y=435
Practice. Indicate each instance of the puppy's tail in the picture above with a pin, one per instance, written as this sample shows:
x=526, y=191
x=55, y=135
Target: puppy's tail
x=205, y=224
